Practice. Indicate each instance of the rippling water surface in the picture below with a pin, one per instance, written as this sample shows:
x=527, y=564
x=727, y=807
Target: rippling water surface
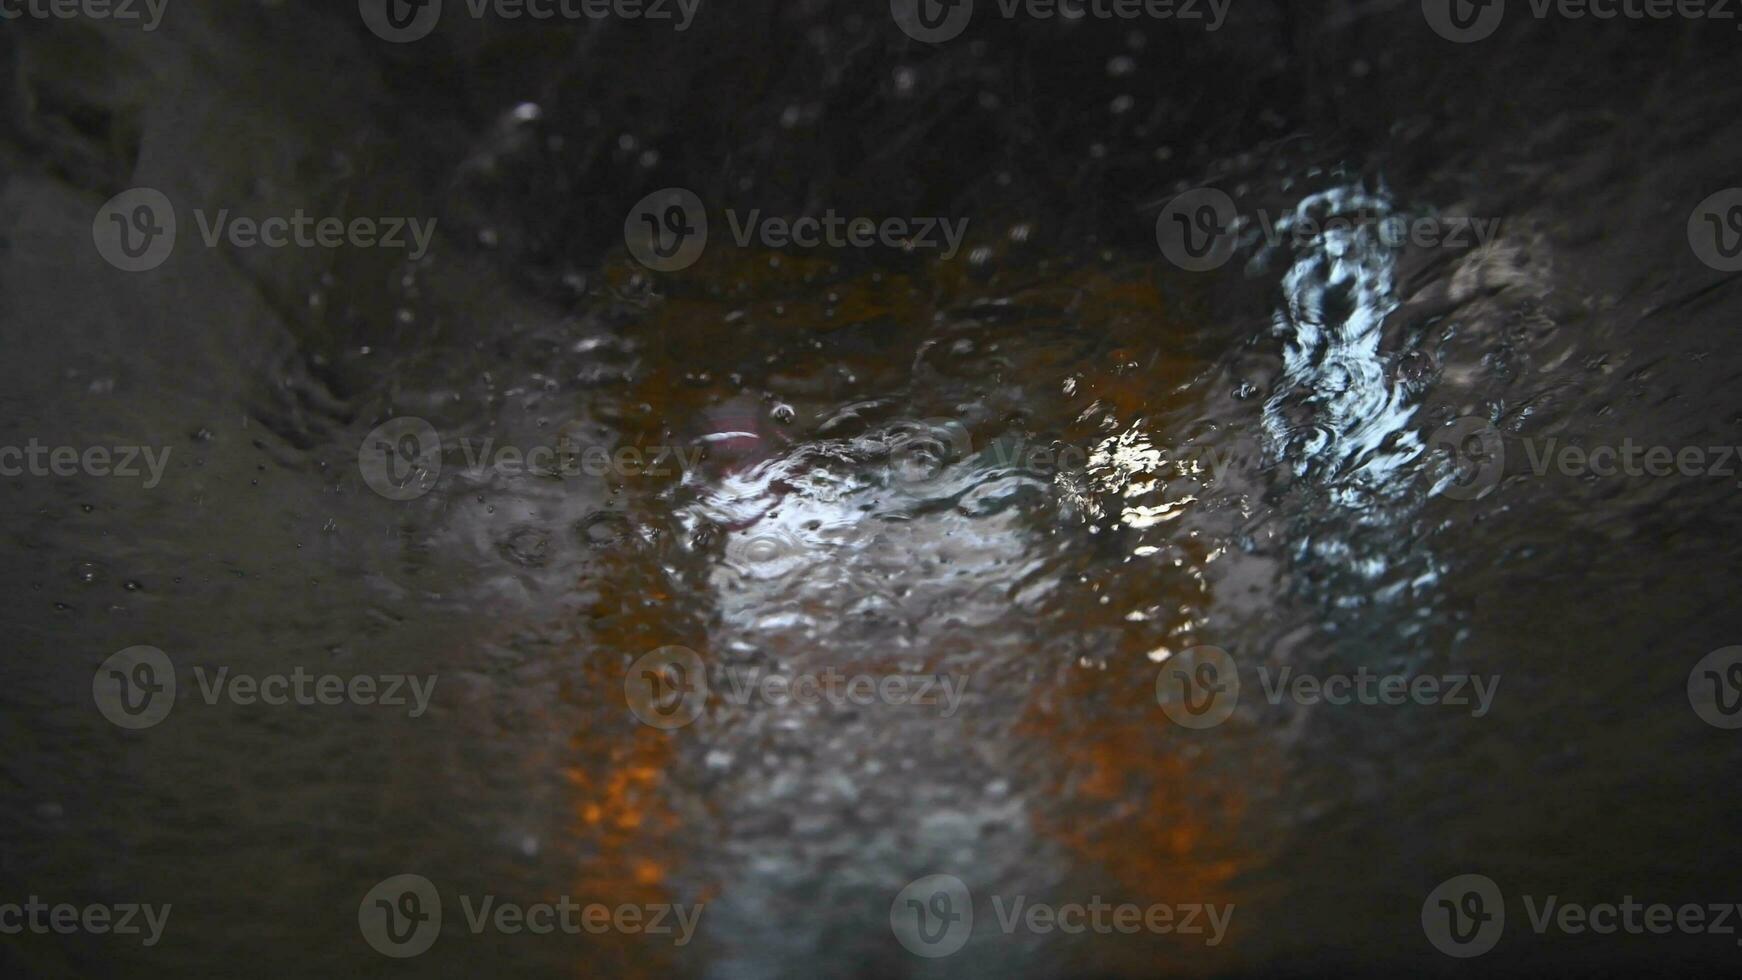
x=1035, y=474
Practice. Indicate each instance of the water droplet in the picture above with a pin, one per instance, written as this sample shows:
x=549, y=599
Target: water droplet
x=527, y=546
x=604, y=529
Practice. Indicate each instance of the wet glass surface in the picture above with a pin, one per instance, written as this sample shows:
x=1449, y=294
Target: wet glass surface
x=1031, y=480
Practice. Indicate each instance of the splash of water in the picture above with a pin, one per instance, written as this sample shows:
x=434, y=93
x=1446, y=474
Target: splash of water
x=1337, y=413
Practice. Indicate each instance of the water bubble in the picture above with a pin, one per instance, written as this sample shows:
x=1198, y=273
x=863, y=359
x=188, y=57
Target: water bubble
x=527, y=546
x=605, y=529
